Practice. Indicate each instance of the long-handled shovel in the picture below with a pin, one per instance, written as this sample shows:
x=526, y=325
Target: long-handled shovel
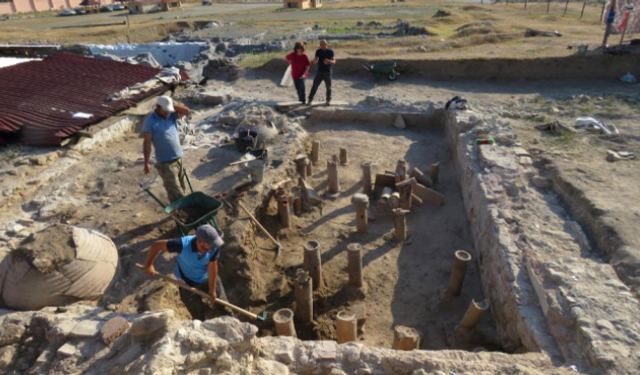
x=262, y=317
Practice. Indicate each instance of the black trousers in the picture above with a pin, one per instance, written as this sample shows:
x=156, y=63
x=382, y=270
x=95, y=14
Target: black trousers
x=200, y=309
x=299, y=83
x=321, y=76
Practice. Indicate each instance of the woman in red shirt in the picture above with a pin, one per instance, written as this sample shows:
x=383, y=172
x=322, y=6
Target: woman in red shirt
x=299, y=68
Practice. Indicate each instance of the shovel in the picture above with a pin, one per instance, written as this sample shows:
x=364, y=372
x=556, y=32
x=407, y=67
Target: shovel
x=253, y=218
x=262, y=317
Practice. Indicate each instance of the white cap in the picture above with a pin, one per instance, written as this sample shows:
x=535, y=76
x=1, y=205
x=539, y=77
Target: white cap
x=165, y=103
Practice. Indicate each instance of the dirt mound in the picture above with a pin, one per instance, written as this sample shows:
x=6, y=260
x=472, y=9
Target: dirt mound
x=48, y=250
x=476, y=24
x=442, y=13
x=475, y=31
x=188, y=215
x=472, y=8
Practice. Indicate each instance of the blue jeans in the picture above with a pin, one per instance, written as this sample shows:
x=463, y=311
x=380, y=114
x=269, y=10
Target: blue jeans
x=299, y=83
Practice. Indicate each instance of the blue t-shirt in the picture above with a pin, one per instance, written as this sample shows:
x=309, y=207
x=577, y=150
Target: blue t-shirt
x=164, y=136
x=192, y=268
x=321, y=55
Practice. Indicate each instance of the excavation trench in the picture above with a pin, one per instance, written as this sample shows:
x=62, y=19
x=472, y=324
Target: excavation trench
x=406, y=282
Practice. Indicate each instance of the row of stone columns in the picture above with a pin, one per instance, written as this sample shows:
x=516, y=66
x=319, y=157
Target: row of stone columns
x=405, y=338
x=399, y=203
x=308, y=279
x=458, y=271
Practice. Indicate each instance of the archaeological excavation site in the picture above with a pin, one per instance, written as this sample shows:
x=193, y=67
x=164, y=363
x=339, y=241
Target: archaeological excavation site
x=400, y=230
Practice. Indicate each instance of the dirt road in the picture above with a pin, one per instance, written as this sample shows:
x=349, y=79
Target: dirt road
x=102, y=19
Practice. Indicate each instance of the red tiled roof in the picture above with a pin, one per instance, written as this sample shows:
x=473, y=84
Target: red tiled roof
x=39, y=97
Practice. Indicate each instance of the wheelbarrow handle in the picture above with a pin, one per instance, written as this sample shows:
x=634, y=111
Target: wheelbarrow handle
x=155, y=198
x=158, y=200
x=188, y=179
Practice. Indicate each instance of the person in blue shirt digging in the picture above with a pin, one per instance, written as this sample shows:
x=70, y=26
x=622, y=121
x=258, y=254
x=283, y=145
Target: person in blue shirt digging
x=197, y=267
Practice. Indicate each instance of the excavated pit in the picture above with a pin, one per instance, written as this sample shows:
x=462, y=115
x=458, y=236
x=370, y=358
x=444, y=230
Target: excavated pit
x=405, y=282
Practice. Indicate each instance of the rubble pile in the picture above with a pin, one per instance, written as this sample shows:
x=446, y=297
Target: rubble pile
x=96, y=341
x=222, y=68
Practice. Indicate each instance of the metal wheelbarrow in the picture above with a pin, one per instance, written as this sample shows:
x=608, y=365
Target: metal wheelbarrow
x=198, y=199
x=384, y=68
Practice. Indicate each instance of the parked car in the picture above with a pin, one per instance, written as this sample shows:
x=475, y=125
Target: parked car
x=106, y=8
x=118, y=7
x=206, y=2
x=68, y=12
x=80, y=11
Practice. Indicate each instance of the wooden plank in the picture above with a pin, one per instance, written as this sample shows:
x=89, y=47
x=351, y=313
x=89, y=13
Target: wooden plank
x=297, y=106
x=385, y=180
x=429, y=196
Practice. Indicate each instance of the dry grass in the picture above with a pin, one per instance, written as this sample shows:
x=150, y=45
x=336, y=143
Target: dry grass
x=476, y=31
x=504, y=40
x=256, y=60
x=137, y=33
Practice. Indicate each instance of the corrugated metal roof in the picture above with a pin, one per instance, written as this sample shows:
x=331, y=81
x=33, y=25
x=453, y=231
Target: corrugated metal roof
x=39, y=97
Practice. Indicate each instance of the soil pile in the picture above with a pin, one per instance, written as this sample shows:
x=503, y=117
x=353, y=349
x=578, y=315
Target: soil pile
x=48, y=250
x=188, y=215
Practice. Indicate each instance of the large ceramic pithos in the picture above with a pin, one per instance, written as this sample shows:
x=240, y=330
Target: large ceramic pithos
x=56, y=266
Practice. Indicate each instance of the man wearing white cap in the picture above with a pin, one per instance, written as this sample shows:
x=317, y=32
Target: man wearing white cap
x=197, y=267
x=161, y=129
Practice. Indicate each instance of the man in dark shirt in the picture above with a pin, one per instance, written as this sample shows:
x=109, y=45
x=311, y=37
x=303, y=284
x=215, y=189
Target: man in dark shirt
x=325, y=60
x=197, y=267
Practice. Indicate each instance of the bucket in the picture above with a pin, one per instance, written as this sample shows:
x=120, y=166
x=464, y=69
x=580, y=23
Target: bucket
x=256, y=170
x=257, y=167
x=246, y=139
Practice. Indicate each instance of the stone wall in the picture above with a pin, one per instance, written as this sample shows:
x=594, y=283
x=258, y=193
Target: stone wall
x=91, y=340
x=486, y=174
x=549, y=288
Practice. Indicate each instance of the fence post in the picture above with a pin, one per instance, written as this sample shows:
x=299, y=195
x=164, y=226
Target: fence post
x=566, y=5
x=548, y=4
x=624, y=31
x=609, y=22
x=582, y=12
x=525, y=4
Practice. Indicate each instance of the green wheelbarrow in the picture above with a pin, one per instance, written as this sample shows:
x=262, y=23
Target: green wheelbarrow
x=197, y=199
x=383, y=68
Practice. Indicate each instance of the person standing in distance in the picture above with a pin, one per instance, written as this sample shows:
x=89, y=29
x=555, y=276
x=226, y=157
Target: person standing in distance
x=161, y=129
x=299, y=68
x=325, y=59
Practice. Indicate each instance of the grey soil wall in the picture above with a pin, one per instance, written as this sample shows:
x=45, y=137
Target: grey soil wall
x=597, y=66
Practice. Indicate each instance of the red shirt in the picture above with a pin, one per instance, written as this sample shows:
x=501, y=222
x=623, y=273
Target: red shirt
x=299, y=63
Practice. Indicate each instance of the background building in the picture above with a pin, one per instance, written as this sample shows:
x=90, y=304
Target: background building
x=23, y=6
x=302, y=4
x=151, y=6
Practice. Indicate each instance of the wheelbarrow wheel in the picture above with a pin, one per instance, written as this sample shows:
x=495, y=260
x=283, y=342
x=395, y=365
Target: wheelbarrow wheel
x=393, y=75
